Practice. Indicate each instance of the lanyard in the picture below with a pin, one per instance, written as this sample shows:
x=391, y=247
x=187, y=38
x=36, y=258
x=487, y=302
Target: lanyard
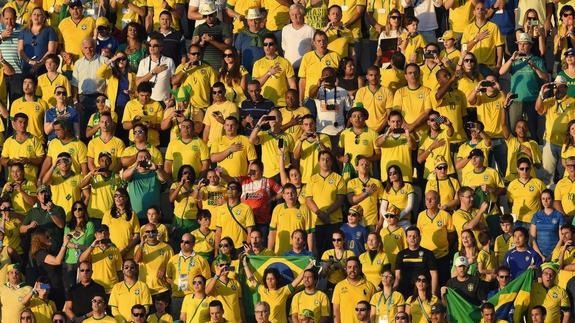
x=423, y=309
x=386, y=300
x=189, y=263
x=21, y=10
x=196, y=310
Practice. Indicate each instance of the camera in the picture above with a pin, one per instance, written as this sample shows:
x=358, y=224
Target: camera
x=513, y=96
x=44, y=286
x=398, y=130
x=548, y=94
x=487, y=83
x=145, y=163
x=469, y=125
x=440, y=119
x=330, y=107
x=428, y=54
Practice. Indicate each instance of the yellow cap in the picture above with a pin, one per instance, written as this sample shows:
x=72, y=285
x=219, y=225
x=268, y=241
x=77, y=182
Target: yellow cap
x=102, y=21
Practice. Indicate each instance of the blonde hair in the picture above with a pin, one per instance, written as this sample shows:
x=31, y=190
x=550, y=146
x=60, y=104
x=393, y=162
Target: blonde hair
x=45, y=24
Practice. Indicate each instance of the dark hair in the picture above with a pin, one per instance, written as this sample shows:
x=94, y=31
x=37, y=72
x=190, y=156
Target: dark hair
x=237, y=184
x=140, y=32
x=216, y=303
x=398, y=60
x=503, y=268
x=181, y=172
x=325, y=152
x=428, y=293
x=524, y=160
x=232, y=74
x=270, y=36
x=413, y=228
x=144, y=87
x=31, y=78
x=484, y=237
x=138, y=307
x=128, y=206
x=116, y=72
x=6, y=9
x=566, y=8
x=53, y=57
x=488, y=306
x=410, y=19
x=232, y=248
x=18, y=164
x=417, y=68
x=395, y=113
x=388, y=184
x=319, y=32
x=73, y=223
x=275, y=273
x=523, y=231
x=366, y=303
x=569, y=141
x=203, y=213
x=540, y=307
x=506, y=218
x=342, y=63
x=20, y=115
x=289, y=186
x=462, y=249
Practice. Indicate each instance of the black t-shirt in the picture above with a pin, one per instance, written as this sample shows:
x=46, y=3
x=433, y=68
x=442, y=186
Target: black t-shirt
x=81, y=297
x=474, y=290
x=411, y=263
x=54, y=273
x=174, y=44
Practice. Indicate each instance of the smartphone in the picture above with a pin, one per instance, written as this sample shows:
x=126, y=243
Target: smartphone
x=513, y=96
x=533, y=22
x=440, y=119
x=45, y=286
x=280, y=143
x=231, y=268
x=269, y=118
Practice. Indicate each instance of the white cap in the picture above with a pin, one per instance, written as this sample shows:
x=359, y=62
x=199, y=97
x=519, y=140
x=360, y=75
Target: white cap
x=560, y=80
x=254, y=13
x=524, y=38
x=461, y=261
x=207, y=8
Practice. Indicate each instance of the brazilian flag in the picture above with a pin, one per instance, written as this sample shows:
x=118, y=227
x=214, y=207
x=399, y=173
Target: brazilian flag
x=288, y=267
x=510, y=303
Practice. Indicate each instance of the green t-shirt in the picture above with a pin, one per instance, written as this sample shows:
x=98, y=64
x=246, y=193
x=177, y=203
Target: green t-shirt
x=570, y=84
x=83, y=239
x=524, y=81
x=144, y=190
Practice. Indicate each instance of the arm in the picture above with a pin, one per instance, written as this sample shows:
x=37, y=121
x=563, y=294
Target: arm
x=356, y=15
x=57, y=260
x=434, y=281
x=533, y=234
x=336, y=314
x=471, y=224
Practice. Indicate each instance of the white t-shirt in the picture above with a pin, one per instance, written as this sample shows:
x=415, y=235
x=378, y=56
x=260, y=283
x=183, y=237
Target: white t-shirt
x=162, y=85
x=332, y=106
x=296, y=42
x=424, y=10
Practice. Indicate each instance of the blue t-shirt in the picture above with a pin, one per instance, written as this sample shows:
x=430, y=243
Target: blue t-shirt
x=122, y=98
x=524, y=81
x=355, y=238
x=70, y=114
x=505, y=20
x=519, y=261
x=36, y=45
x=110, y=43
x=547, y=230
x=303, y=253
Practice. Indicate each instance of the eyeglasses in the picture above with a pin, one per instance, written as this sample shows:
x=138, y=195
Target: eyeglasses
x=185, y=241
x=394, y=17
x=197, y=282
x=78, y=209
x=140, y=314
x=269, y=44
x=360, y=309
x=337, y=239
x=194, y=53
x=441, y=167
x=217, y=91
x=151, y=231
x=524, y=169
x=224, y=245
x=422, y=280
x=101, y=100
x=352, y=214
x=87, y=270
x=228, y=55
x=568, y=14
x=60, y=93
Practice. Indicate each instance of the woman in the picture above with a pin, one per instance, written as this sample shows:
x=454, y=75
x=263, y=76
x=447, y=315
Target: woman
x=374, y=259
x=35, y=42
x=81, y=232
x=398, y=193
x=348, y=78
x=48, y=265
x=446, y=186
x=270, y=291
x=335, y=258
x=61, y=111
x=187, y=201
x=123, y=223
x=234, y=76
x=387, y=302
x=120, y=85
x=194, y=304
x=418, y=305
x=469, y=70
x=563, y=41
x=470, y=250
x=568, y=72
x=568, y=149
x=228, y=249
x=392, y=30
x=133, y=45
x=26, y=316
x=546, y=226
x=392, y=236
x=533, y=26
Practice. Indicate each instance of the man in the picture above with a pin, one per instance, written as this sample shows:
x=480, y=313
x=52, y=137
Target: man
x=188, y=149
x=99, y=311
x=362, y=310
x=181, y=270
x=438, y=313
x=365, y=191
x=488, y=313
x=450, y=102
x=220, y=109
x=376, y=99
x=308, y=146
x=527, y=72
x=256, y=245
x=254, y=107
x=23, y=147
x=12, y=294
x=503, y=278
x=471, y=288
x=551, y=296
x=19, y=191
x=231, y=151
x=437, y=233
x=558, y=109
x=332, y=104
x=310, y=299
x=47, y=216
x=173, y=39
x=413, y=100
x=272, y=141
x=262, y=312
x=226, y=291
x=313, y=63
x=288, y=217
x=105, y=259
x=212, y=36
x=396, y=145
x=9, y=47
x=249, y=41
x=538, y=314
x=73, y=31
x=467, y=217
x=354, y=287
x=85, y=84
x=293, y=112
x=524, y=197
x=129, y=292
x=157, y=69
x=32, y=107
x=153, y=256
x=482, y=37
x=436, y=142
x=564, y=255
x=198, y=76
x=325, y=194
x=412, y=260
x=106, y=143
x=64, y=183
x=145, y=110
x=358, y=140
x=298, y=244
x=80, y=298
x=233, y=219
x=522, y=256
x=102, y=183
x=297, y=37
x=431, y=65
x=66, y=142
x=217, y=312
x=274, y=72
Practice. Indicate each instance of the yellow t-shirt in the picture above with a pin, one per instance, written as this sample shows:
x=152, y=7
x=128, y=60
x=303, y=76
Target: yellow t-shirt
x=199, y=79
x=348, y=9
x=11, y=300
x=346, y=291
x=125, y=15
x=276, y=85
x=295, y=131
x=386, y=308
x=412, y=102
x=123, y=297
x=453, y=105
x=447, y=188
x=565, y=192
x=165, y=318
x=154, y=258
x=488, y=176
x=204, y=242
x=398, y=198
x=395, y=150
x=393, y=79
x=71, y=34
x=185, y=206
x=46, y=87
x=428, y=77
x=558, y=113
x=339, y=40
x=278, y=14
x=157, y=6
x=277, y=299
x=151, y=112
x=503, y=243
x=191, y=153
x=197, y=310
x=102, y=194
x=417, y=310
x=461, y=15
x=526, y=198
x=370, y=203
x=336, y=274
x=308, y=163
x=461, y=217
x=445, y=151
x=466, y=148
x=31, y=147
x=18, y=203
x=236, y=164
x=484, y=50
x=414, y=48
x=372, y=267
x=12, y=236
x=105, y=319
x=35, y=111
x=22, y=13
x=434, y=232
x=489, y=113
x=106, y=263
x=66, y=191
x=554, y=299
x=241, y=7
x=324, y=193
x=224, y=216
x=362, y=144
x=393, y=242
x=121, y=230
x=230, y=295
x=75, y=148
x=156, y=154
x=286, y=220
x=376, y=103
x=217, y=129
x=212, y=197
x=318, y=303
x=114, y=146
x=270, y=151
x=312, y=65
x=514, y=153
x=42, y=309
x=182, y=270
x=379, y=10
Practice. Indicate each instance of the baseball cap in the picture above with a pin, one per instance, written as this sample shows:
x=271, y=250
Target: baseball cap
x=448, y=34
x=476, y=152
x=461, y=261
x=356, y=209
x=440, y=160
x=438, y=308
x=75, y=3
x=43, y=188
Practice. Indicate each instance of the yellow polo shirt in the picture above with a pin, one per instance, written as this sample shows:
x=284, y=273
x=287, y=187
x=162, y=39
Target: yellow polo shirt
x=154, y=258
x=484, y=50
x=31, y=147
x=412, y=102
x=46, y=87
x=224, y=216
x=312, y=65
x=324, y=192
x=308, y=163
x=102, y=194
x=372, y=267
x=11, y=301
x=554, y=299
x=362, y=144
x=434, y=232
x=270, y=151
x=72, y=34
x=489, y=113
x=393, y=243
x=376, y=103
x=106, y=263
x=526, y=198
x=114, y=146
x=227, y=109
x=276, y=85
x=197, y=310
x=236, y=164
x=75, y=148
x=35, y=111
x=348, y=9
x=295, y=131
x=565, y=192
x=318, y=303
x=345, y=291
x=151, y=112
x=182, y=270
x=191, y=153
x=369, y=204
x=123, y=297
x=286, y=220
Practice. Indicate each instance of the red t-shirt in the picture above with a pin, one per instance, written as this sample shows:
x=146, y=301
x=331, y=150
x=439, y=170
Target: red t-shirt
x=257, y=195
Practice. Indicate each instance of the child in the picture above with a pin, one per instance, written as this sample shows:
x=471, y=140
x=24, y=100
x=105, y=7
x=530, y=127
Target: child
x=503, y=242
x=161, y=316
x=450, y=55
x=485, y=258
x=411, y=42
x=355, y=233
x=154, y=216
x=48, y=81
x=204, y=236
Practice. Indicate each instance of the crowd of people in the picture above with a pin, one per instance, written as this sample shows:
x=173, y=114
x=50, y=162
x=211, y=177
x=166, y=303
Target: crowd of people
x=153, y=149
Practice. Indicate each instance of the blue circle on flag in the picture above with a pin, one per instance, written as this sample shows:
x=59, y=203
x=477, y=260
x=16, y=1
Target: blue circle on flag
x=286, y=274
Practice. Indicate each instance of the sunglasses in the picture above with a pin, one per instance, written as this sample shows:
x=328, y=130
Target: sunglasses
x=118, y=195
x=228, y=55
x=101, y=100
x=469, y=60
x=441, y=167
x=78, y=209
x=568, y=14
x=85, y=270
x=352, y=214
x=60, y=93
x=269, y=44
x=394, y=17
x=97, y=301
x=524, y=169
x=122, y=59
x=217, y=92
x=151, y=231
x=7, y=209
x=185, y=241
x=337, y=239
x=138, y=314
x=389, y=215
x=361, y=309
x=421, y=280
x=197, y=282
x=194, y=53
x=504, y=276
